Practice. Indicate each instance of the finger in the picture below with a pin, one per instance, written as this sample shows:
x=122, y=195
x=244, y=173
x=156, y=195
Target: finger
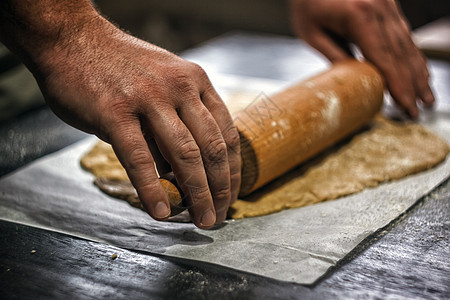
x=214, y=152
x=416, y=65
x=423, y=86
x=414, y=56
x=424, y=89
x=231, y=136
x=162, y=166
x=376, y=43
x=219, y=111
x=329, y=45
x=402, y=86
x=183, y=154
x=132, y=151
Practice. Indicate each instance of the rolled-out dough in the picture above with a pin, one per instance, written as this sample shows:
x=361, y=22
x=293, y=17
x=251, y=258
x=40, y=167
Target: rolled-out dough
x=388, y=150
x=103, y=163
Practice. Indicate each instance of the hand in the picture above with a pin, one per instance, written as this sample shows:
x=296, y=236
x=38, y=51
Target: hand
x=134, y=96
x=381, y=32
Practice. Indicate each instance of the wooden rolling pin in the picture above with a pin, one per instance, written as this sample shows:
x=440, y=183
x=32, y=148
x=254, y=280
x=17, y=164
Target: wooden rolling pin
x=281, y=131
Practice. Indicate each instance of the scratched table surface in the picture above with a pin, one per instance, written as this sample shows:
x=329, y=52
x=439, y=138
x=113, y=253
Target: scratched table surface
x=407, y=259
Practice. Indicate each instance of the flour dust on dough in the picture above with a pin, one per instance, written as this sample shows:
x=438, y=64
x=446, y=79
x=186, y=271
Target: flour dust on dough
x=387, y=151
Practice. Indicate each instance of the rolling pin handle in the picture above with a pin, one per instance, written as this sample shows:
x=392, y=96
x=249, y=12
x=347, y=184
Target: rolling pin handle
x=174, y=193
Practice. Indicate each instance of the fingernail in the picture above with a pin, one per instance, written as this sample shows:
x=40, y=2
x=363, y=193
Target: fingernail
x=161, y=210
x=208, y=218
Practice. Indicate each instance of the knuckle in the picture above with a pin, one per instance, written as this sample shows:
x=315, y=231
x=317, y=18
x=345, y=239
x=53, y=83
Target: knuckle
x=399, y=50
x=383, y=3
x=188, y=152
x=184, y=85
x=138, y=157
x=196, y=70
x=201, y=78
x=185, y=73
x=222, y=195
x=189, y=79
x=117, y=108
x=216, y=151
x=363, y=7
x=119, y=112
x=180, y=80
x=199, y=194
x=405, y=27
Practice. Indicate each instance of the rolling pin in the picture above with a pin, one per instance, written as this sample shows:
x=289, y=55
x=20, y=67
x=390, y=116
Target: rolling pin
x=281, y=131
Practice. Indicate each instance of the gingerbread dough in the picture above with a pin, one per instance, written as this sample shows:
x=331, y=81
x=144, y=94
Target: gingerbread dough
x=387, y=151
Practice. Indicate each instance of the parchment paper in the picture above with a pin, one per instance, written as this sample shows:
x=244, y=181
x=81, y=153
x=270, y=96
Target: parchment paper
x=297, y=245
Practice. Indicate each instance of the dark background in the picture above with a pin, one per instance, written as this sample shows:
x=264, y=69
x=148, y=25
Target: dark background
x=180, y=24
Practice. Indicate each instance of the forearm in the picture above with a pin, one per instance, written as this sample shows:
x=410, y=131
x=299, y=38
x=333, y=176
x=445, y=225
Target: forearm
x=31, y=28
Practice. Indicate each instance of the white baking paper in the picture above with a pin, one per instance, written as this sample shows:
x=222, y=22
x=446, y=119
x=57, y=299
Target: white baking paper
x=297, y=245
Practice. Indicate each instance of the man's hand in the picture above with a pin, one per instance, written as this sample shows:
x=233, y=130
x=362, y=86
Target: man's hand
x=379, y=29
x=137, y=97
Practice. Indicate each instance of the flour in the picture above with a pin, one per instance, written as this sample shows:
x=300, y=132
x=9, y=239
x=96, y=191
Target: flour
x=332, y=110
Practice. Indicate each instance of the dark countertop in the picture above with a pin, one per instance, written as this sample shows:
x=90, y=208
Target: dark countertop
x=407, y=259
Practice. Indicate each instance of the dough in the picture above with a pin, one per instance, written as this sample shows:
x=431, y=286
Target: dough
x=386, y=151
x=103, y=163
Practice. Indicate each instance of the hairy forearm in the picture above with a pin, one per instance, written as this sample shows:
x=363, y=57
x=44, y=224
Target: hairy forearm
x=30, y=28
